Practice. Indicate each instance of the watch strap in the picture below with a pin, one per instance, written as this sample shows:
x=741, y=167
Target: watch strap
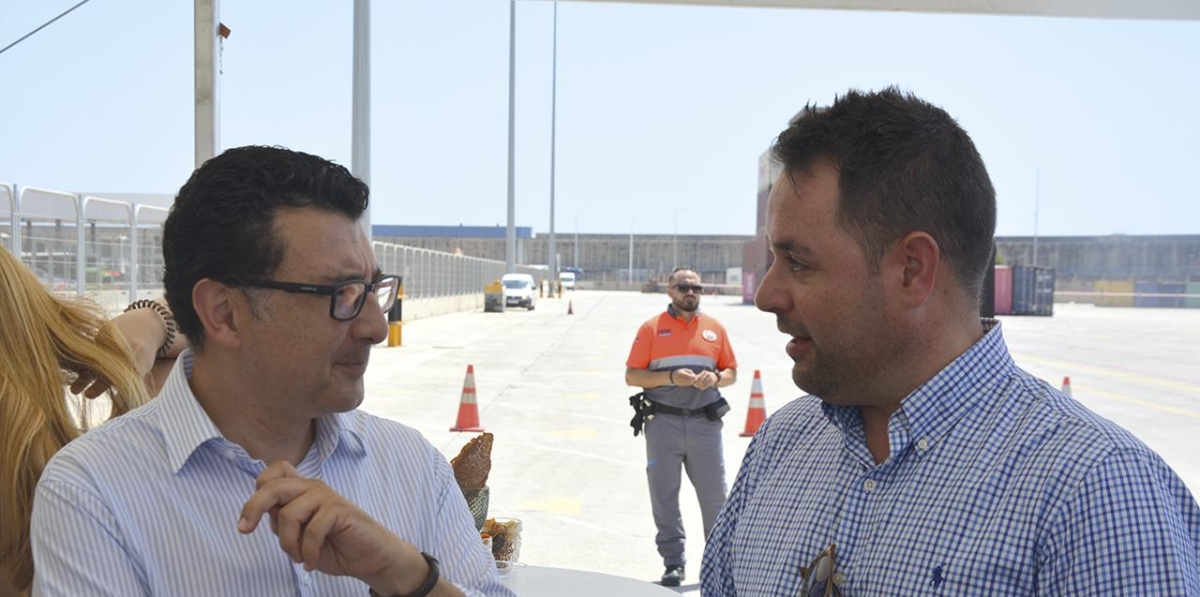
x=430, y=580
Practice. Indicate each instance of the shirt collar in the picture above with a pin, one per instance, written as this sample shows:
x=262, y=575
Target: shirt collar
x=933, y=409
x=186, y=426
x=673, y=312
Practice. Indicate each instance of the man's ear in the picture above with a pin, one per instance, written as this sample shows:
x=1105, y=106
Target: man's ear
x=216, y=305
x=915, y=259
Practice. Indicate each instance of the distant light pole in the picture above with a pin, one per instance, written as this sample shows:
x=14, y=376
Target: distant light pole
x=553, y=250
x=675, y=240
x=510, y=245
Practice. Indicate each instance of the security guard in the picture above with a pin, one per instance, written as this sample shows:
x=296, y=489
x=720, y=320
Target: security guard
x=681, y=357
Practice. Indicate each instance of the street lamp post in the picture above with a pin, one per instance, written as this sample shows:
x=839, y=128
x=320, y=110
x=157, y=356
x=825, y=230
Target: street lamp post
x=552, y=252
x=510, y=245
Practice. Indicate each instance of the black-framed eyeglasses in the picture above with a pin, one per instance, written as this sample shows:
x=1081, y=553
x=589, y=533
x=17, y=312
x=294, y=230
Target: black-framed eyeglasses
x=686, y=288
x=821, y=577
x=346, y=299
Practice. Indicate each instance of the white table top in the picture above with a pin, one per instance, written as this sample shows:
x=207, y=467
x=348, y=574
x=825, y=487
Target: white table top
x=544, y=581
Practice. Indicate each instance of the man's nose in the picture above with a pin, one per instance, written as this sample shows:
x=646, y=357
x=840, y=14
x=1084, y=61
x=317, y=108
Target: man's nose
x=371, y=323
x=770, y=296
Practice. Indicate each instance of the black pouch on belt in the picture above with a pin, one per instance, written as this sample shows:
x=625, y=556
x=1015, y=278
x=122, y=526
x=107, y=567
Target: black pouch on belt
x=643, y=409
x=715, y=410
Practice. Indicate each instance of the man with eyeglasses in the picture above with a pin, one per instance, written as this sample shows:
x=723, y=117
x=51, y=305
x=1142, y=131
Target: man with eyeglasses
x=273, y=281
x=681, y=357
x=923, y=461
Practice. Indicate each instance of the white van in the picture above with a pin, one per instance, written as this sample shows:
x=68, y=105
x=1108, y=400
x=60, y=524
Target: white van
x=567, y=279
x=519, y=290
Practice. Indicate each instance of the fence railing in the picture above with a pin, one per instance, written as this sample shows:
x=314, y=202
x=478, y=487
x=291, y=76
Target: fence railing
x=111, y=250
x=437, y=274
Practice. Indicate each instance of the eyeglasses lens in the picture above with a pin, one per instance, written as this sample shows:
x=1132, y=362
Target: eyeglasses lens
x=348, y=300
x=385, y=292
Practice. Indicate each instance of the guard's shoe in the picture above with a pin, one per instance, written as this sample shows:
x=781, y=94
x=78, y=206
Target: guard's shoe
x=673, y=576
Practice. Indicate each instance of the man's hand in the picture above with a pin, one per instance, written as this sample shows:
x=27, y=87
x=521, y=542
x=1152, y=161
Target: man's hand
x=684, y=377
x=705, y=380
x=326, y=532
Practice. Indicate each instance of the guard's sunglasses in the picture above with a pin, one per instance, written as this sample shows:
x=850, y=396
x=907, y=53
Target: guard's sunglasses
x=686, y=288
x=346, y=299
x=821, y=577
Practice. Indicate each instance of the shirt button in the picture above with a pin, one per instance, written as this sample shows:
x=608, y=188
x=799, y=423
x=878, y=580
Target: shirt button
x=922, y=444
x=308, y=579
x=869, y=485
x=838, y=578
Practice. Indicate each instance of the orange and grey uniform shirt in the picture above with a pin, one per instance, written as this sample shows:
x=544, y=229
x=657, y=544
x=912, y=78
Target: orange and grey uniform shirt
x=666, y=342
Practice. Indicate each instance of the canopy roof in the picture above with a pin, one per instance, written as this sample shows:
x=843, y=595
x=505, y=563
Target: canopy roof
x=1107, y=9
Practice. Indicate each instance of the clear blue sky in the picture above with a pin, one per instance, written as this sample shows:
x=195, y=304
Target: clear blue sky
x=662, y=110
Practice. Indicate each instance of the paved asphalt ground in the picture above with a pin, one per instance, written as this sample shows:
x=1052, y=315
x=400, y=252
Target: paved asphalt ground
x=551, y=388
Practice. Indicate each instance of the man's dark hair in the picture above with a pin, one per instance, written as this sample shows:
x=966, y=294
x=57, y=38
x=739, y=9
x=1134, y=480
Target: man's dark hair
x=221, y=226
x=904, y=165
x=682, y=268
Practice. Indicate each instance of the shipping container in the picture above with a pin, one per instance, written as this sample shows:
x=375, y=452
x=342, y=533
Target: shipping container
x=1157, y=295
x=1145, y=294
x=1114, y=293
x=1176, y=288
x=1003, y=290
x=1022, y=290
x=1193, y=300
x=1033, y=290
x=1043, y=302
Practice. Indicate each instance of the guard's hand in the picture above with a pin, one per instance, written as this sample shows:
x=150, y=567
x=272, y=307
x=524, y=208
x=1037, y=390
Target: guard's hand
x=326, y=532
x=705, y=380
x=684, y=377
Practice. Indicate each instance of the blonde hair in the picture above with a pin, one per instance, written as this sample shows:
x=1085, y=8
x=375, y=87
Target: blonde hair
x=43, y=339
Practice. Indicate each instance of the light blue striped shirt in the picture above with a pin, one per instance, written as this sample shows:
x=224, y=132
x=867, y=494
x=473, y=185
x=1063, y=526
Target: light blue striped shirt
x=997, y=484
x=148, y=504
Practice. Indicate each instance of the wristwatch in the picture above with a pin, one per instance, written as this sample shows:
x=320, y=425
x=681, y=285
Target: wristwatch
x=430, y=580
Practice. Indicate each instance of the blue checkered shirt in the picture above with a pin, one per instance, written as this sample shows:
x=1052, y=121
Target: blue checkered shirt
x=997, y=484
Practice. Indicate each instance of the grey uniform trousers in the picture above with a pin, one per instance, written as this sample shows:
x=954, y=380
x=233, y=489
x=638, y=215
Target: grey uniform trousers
x=694, y=442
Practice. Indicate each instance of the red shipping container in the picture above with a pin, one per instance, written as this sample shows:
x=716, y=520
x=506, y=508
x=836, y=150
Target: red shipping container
x=1004, y=290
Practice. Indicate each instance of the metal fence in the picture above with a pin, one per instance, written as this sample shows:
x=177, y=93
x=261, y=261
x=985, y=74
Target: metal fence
x=104, y=248
x=430, y=274
x=111, y=250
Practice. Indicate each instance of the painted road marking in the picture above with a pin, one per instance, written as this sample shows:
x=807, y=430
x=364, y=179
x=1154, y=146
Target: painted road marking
x=1139, y=402
x=1109, y=372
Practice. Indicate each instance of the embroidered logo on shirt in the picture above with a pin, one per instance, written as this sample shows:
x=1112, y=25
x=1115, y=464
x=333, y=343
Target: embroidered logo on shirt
x=937, y=578
x=662, y=333
x=709, y=335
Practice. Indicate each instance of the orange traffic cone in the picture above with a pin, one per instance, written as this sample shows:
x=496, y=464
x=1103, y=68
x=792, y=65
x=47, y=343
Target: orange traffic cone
x=570, y=308
x=468, y=408
x=758, y=407
x=1066, y=388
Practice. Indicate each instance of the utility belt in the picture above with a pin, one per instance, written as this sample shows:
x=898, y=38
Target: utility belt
x=644, y=409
